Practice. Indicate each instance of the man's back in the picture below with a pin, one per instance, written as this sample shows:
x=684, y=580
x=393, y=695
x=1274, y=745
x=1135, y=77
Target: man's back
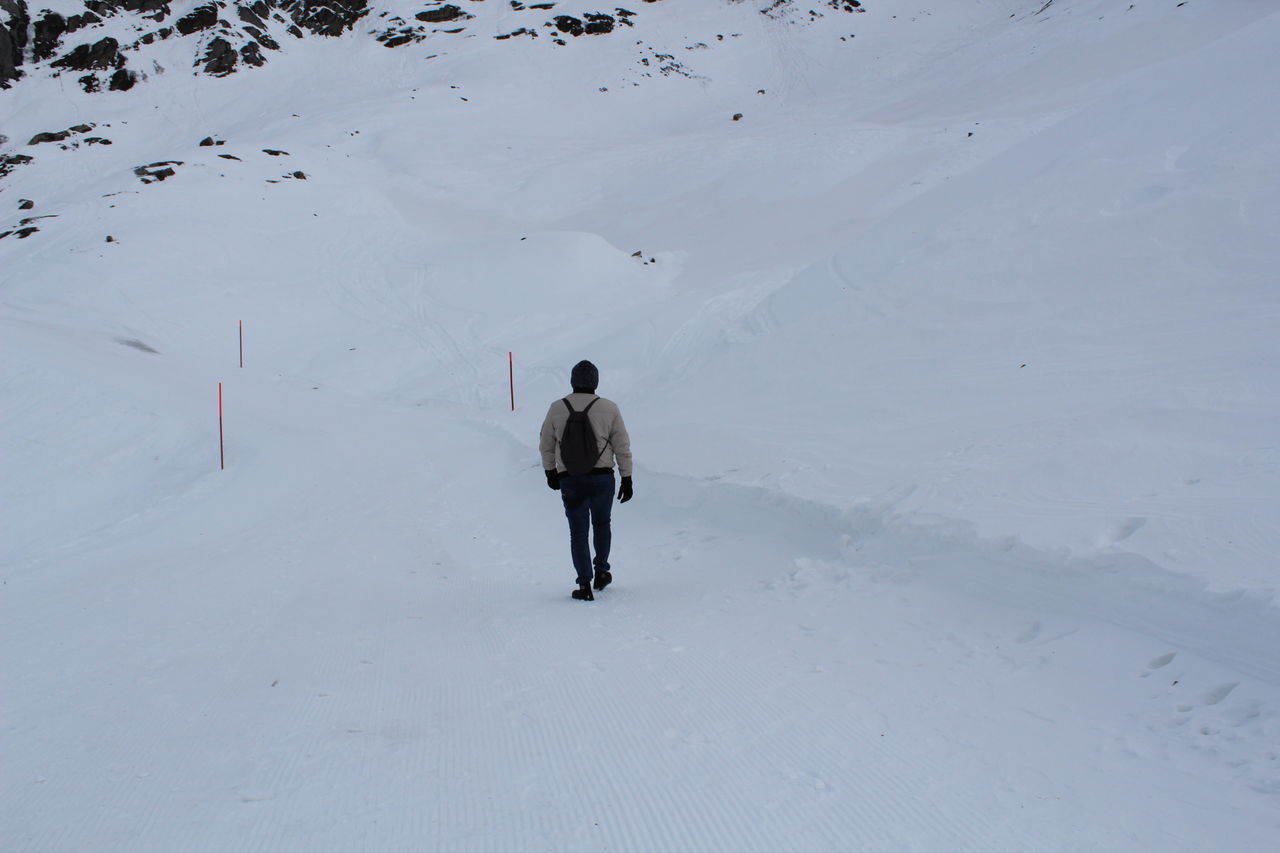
x=606, y=419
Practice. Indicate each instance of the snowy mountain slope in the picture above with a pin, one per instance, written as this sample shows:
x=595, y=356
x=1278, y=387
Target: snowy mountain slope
x=1050, y=307
x=956, y=503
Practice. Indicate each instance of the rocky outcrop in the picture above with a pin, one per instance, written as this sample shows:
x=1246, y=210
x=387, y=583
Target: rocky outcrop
x=326, y=17
x=229, y=35
x=591, y=23
x=201, y=18
x=14, y=23
x=442, y=15
x=156, y=172
x=103, y=55
x=220, y=58
x=50, y=29
x=61, y=135
x=8, y=162
x=100, y=55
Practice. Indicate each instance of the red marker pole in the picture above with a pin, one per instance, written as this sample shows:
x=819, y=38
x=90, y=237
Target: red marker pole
x=242, y=343
x=511, y=375
x=222, y=453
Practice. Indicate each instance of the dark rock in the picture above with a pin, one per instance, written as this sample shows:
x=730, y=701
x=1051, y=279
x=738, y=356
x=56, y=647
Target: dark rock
x=325, y=17
x=101, y=55
x=96, y=140
x=9, y=161
x=122, y=81
x=200, y=18
x=77, y=22
x=251, y=17
x=157, y=171
x=598, y=24
x=24, y=233
x=274, y=153
x=397, y=40
x=25, y=204
x=14, y=24
x=156, y=8
x=591, y=23
x=252, y=55
x=241, y=37
x=569, y=25
x=228, y=157
x=737, y=116
x=58, y=136
x=220, y=59
x=442, y=14
x=302, y=176
x=48, y=32
x=207, y=142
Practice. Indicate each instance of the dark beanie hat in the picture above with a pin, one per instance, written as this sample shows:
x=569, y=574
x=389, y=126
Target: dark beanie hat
x=585, y=376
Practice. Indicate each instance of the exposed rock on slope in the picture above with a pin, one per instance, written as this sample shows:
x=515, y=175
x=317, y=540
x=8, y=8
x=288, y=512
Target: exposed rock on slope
x=227, y=35
x=14, y=24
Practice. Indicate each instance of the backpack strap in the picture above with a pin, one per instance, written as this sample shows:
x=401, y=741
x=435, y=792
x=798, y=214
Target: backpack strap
x=574, y=411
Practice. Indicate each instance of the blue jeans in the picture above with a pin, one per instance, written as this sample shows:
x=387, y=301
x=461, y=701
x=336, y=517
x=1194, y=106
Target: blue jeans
x=588, y=501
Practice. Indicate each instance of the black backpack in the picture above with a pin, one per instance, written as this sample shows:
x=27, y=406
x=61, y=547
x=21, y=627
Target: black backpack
x=579, y=449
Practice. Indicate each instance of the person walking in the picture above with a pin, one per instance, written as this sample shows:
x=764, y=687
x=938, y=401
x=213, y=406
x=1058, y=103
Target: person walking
x=582, y=437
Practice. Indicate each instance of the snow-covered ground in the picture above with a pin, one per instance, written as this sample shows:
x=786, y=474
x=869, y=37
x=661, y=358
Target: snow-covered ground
x=950, y=370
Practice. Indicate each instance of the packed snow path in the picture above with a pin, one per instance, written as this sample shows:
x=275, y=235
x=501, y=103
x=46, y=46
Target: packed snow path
x=351, y=642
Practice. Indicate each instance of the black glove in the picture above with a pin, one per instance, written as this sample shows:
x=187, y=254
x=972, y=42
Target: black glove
x=553, y=479
x=624, y=493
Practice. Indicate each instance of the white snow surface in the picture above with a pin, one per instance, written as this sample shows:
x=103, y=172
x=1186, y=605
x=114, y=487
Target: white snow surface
x=951, y=375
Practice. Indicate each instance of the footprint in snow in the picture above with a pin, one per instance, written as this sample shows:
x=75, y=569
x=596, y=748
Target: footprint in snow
x=1213, y=697
x=1159, y=662
x=1217, y=694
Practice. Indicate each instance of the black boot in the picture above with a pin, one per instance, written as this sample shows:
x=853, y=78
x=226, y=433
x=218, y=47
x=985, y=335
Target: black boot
x=583, y=592
x=603, y=579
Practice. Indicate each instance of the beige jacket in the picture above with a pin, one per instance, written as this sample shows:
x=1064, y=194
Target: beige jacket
x=606, y=420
